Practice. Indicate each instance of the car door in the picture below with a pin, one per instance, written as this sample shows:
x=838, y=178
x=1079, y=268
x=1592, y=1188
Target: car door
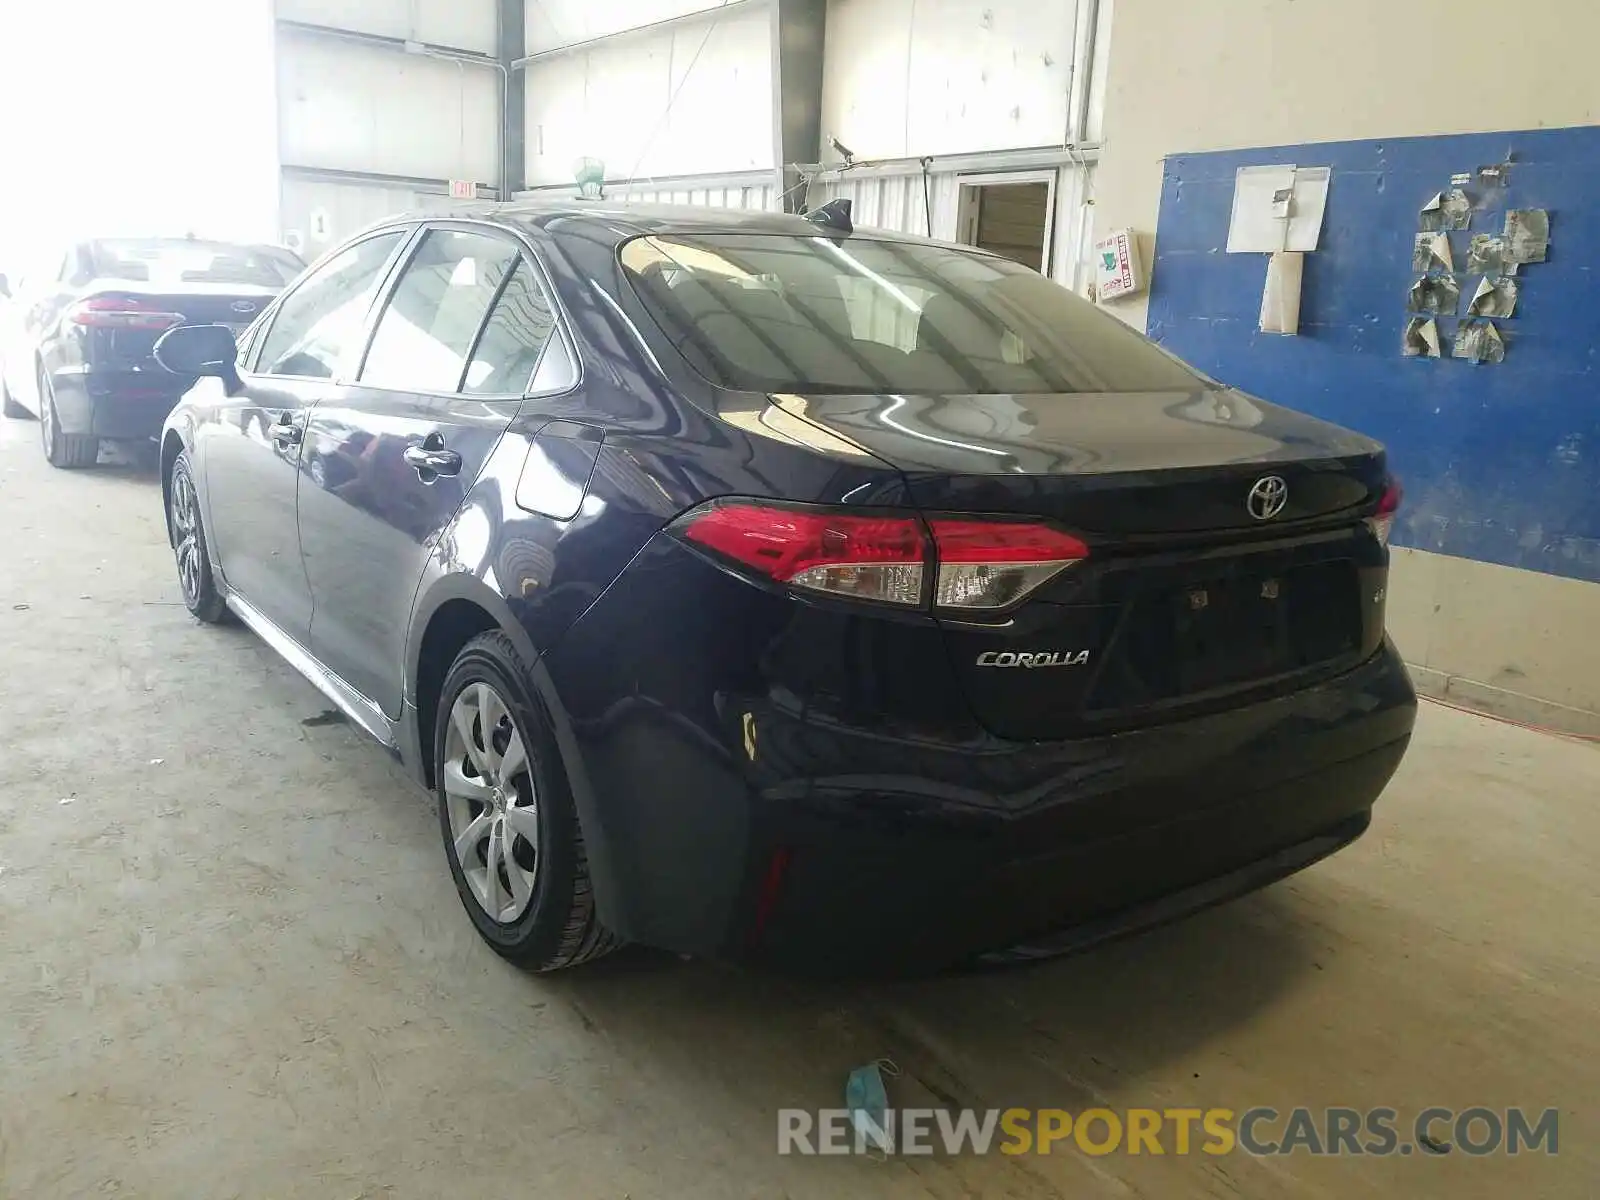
x=250, y=447
x=40, y=298
x=452, y=352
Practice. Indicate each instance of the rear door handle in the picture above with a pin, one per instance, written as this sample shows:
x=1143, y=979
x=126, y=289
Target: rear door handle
x=432, y=459
x=286, y=432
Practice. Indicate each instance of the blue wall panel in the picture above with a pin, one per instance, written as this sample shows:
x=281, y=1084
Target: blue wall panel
x=1500, y=462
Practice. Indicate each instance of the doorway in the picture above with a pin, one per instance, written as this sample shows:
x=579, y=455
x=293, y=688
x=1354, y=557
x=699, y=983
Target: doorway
x=1009, y=216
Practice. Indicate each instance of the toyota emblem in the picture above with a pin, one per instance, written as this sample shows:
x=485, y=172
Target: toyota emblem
x=1267, y=497
x=243, y=306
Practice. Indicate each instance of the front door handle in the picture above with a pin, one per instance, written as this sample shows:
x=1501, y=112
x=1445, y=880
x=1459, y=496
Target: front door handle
x=286, y=432
x=431, y=459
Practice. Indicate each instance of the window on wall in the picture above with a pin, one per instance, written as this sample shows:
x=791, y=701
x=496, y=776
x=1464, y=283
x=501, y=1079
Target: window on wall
x=433, y=317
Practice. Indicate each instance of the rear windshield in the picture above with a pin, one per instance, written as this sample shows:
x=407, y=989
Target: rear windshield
x=181, y=260
x=784, y=313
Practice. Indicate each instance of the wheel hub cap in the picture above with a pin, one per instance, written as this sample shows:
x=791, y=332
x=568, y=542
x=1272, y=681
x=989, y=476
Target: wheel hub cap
x=185, y=535
x=491, y=803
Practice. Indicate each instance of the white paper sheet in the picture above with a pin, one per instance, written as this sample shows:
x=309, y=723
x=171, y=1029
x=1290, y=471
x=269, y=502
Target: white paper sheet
x=1257, y=225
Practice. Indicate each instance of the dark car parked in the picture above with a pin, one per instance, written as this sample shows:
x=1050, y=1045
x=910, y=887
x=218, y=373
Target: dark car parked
x=76, y=338
x=746, y=585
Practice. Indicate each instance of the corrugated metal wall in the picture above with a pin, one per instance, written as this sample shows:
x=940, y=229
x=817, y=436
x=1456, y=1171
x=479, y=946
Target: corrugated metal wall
x=759, y=192
x=322, y=214
x=904, y=202
x=904, y=79
x=689, y=99
x=899, y=202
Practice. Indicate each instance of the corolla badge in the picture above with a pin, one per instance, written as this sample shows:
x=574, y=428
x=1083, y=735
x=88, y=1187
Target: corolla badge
x=243, y=306
x=1267, y=497
x=1039, y=658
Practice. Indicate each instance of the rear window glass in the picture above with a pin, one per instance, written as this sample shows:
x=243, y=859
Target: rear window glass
x=784, y=313
x=169, y=261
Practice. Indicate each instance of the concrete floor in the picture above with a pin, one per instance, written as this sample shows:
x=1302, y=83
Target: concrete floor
x=232, y=963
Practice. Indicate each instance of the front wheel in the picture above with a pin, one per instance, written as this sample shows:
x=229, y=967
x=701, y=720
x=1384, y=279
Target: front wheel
x=511, y=833
x=187, y=533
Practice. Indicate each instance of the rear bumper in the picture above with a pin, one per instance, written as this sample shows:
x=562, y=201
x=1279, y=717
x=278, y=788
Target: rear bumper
x=732, y=809
x=864, y=906
x=116, y=405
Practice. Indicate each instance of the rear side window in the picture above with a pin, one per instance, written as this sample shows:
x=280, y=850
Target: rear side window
x=321, y=321
x=787, y=313
x=433, y=317
x=514, y=337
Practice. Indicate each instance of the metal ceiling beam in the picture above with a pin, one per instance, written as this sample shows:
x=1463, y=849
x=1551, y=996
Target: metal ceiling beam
x=1030, y=158
x=384, y=42
x=407, y=183
x=799, y=30
x=694, y=18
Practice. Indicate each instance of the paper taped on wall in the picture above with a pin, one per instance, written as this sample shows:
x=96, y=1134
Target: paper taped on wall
x=1527, y=235
x=1494, y=297
x=1431, y=251
x=1421, y=338
x=1265, y=220
x=1487, y=255
x=1280, y=298
x=1478, y=341
x=1435, y=294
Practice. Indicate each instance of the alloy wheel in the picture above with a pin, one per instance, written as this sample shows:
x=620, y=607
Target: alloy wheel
x=186, y=534
x=491, y=802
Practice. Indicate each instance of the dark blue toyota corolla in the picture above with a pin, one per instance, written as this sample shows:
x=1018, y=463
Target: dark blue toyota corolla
x=751, y=585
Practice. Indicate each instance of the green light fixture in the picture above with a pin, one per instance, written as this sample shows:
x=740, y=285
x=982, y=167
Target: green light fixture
x=591, y=176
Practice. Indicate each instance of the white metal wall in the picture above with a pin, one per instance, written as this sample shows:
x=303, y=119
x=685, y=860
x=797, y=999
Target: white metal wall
x=926, y=77
x=361, y=108
x=691, y=99
x=554, y=23
x=376, y=110
x=317, y=215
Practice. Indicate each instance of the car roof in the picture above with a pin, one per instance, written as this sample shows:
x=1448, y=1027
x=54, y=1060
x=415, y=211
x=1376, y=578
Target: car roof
x=617, y=221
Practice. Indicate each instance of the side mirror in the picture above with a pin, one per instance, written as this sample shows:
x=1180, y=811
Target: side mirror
x=198, y=350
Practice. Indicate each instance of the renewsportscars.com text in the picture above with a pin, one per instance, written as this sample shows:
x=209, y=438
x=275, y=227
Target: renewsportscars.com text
x=1260, y=1131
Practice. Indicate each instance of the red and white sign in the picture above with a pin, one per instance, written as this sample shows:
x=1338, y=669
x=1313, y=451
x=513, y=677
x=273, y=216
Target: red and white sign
x=463, y=189
x=1116, y=266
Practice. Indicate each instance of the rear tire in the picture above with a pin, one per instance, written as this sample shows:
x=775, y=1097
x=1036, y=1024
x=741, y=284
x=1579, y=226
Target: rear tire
x=69, y=451
x=496, y=786
x=186, y=532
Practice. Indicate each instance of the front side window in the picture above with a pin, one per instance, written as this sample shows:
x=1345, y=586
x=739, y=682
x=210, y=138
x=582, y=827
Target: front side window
x=321, y=321
x=787, y=313
x=433, y=317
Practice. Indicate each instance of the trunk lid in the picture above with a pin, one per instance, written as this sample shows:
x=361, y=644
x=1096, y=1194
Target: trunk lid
x=1189, y=600
x=233, y=304
x=1114, y=465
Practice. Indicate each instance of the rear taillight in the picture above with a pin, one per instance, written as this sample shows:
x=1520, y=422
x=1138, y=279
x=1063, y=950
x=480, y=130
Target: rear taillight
x=1382, y=521
x=973, y=564
x=121, y=312
x=866, y=558
x=992, y=564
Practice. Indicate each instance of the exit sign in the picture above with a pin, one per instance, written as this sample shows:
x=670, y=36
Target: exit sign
x=463, y=189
